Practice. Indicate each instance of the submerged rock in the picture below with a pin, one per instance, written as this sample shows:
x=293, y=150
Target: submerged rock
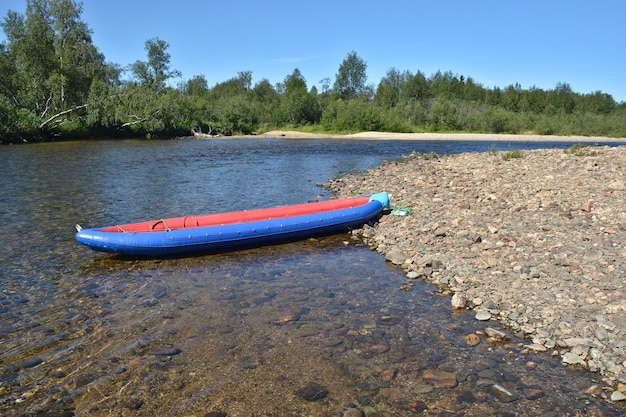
x=312, y=392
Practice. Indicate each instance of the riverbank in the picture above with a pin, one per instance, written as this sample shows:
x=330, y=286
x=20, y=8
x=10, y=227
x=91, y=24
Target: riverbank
x=289, y=134
x=535, y=242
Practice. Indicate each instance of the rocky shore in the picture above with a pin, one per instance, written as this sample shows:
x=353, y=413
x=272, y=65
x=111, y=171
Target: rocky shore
x=535, y=240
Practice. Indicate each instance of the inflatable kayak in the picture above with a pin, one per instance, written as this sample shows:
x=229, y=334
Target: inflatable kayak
x=234, y=230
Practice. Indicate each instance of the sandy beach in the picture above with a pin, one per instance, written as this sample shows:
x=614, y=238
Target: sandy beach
x=290, y=134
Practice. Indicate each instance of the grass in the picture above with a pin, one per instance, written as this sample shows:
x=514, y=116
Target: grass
x=510, y=154
x=514, y=154
x=427, y=155
x=580, y=149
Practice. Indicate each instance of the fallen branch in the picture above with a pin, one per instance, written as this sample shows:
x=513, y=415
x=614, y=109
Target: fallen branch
x=56, y=116
x=135, y=122
x=138, y=119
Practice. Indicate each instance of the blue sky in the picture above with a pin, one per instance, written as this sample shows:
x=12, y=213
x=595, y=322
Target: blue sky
x=497, y=43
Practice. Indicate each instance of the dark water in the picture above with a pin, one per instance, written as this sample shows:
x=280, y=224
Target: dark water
x=241, y=333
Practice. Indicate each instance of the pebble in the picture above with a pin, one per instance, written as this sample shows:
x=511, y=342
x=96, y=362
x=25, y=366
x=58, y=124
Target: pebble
x=472, y=339
x=537, y=242
x=439, y=378
x=618, y=396
x=483, y=316
x=312, y=392
x=353, y=412
x=132, y=403
x=503, y=394
x=571, y=358
x=378, y=349
x=166, y=351
x=459, y=301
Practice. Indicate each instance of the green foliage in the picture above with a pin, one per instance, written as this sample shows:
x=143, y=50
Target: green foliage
x=512, y=154
x=426, y=155
x=48, y=66
x=55, y=83
x=580, y=149
x=442, y=116
x=156, y=70
x=352, y=116
x=298, y=106
x=351, y=78
x=498, y=120
x=8, y=121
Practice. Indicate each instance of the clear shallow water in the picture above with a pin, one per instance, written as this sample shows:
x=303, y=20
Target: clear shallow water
x=239, y=333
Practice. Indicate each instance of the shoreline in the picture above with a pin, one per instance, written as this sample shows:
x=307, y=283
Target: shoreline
x=536, y=244
x=290, y=134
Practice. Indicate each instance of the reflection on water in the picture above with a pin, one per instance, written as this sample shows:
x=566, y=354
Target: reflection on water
x=320, y=327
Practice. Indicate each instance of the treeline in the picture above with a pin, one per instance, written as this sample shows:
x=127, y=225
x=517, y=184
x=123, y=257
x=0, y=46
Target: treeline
x=54, y=83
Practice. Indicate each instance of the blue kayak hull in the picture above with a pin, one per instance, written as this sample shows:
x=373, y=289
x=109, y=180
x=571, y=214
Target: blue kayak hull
x=220, y=238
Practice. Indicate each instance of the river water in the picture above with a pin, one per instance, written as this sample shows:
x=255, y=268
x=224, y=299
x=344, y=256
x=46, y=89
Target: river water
x=322, y=327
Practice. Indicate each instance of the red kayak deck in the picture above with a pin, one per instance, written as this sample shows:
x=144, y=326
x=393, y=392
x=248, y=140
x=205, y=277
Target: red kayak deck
x=190, y=222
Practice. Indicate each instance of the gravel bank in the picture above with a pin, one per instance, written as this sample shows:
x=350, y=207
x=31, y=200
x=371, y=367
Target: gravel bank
x=537, y=243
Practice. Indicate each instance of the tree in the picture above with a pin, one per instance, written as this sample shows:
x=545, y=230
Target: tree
x=351, y=78
x=197, y=86
x=233, y=87
x=416, y=88
x=78, y=61
x=52, y=62
x=561, y=99
x=472, y=91
x=599, y=102
x=31, y=47
x=267, y=101
x=295, y=82
x=156, y=71
x=299, y=106
x=245, y=78
x=8, y=76
x=511, y=97
x=389, y=88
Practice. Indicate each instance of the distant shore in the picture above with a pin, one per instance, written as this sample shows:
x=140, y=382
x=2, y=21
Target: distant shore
x=491, y=137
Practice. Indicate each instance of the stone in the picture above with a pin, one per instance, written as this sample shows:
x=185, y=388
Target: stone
x=483, y=316
x=353, y=412
x=503, y=394
x=439, y=378
x=397, y=257
x=312, y=392
x=167, y=351
x=533, y=393
x=459, y=301
x=388, y=375
x=472, y=339
x=586, y=206
x=601, y=333
x=378, y=349
x=496, y=333
x=572, y=359
x=132, y=403
x=536, y=347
